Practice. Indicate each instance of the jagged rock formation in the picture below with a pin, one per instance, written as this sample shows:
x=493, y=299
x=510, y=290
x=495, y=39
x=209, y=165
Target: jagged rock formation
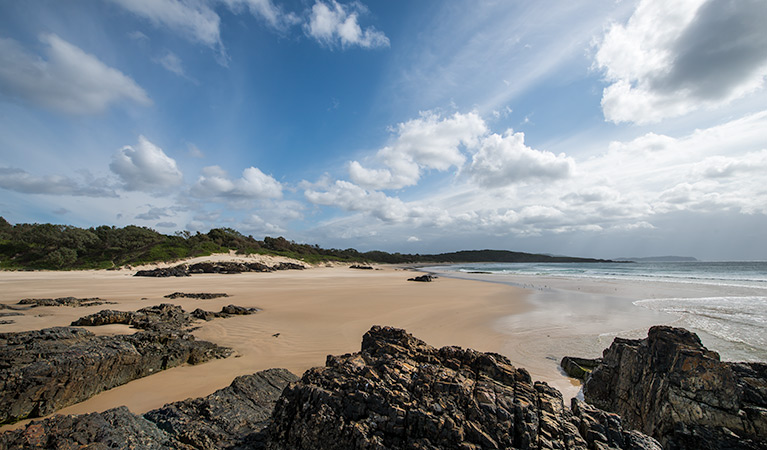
x=116, y=428
x=673, y=388
x=163, y=316
x=198, y=296
x=64, y=301
x=230, y=418
x=361, y=267
x=400, y=393
x=223, y=267
x=45, y=370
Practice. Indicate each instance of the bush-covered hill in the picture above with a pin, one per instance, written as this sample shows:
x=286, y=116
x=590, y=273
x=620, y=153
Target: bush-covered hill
x=48, y=246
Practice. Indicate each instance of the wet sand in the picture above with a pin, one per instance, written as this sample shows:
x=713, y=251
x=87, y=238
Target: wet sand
x=316, y=312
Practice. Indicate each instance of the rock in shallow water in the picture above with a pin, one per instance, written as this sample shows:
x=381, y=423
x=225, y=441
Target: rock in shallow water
x=671, y=387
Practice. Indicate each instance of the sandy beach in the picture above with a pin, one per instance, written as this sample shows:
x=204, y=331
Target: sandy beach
x=316, y=312
x=306, y=315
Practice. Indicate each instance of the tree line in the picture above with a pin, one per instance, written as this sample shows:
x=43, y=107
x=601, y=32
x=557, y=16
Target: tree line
x=66, y=247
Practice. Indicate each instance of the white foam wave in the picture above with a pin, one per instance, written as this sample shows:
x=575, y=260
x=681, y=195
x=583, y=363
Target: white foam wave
x=735, y=319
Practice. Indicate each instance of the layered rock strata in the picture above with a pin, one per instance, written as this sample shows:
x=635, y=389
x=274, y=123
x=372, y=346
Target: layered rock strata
x=45, y=370
x=400, y=393
x=671, y=387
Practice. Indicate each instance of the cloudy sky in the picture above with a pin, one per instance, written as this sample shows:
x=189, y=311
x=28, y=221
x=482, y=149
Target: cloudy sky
x=595, y=128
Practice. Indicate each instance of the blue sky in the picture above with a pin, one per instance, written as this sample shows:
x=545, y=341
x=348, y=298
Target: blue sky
x=594, y=128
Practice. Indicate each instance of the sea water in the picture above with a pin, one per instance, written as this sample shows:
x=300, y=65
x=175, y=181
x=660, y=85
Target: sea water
x=736, y=316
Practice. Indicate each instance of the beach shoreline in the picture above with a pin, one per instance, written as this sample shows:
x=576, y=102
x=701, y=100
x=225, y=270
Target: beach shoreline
x=306, y=315
x=317, y=312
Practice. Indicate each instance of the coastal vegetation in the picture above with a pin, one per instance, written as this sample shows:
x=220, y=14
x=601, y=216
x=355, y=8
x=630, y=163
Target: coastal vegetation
x=66, y=247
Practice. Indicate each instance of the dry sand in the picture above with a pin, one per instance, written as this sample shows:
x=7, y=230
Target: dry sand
x=316, y=312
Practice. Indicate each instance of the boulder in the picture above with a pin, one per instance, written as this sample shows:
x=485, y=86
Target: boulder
x=579, y=367
x=424, y=278
x=671, y=387
x=400, y=393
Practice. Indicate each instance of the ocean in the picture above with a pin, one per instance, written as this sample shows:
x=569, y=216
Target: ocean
x=725, y=300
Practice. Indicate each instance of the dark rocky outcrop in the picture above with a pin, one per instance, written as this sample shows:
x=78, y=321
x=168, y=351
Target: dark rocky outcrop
x=45, y=370
x=161, y=317
x=400, y=393
x=673, y=388
x=114, y=429
x=64, y=301
x=579, y=367
x=198, y=296
x=424, y=278
x=163, y=272
x=361, y=267
x=232, y=417
x=222, y=267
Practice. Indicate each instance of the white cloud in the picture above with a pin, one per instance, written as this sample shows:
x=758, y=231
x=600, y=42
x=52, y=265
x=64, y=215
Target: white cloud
x=193, y=19
x=254, y=184
x=671, y=58
x=69, y=80
x=350, y=197
x=171, y=62
x=504, y=160
x=154, y=213
x=19, y=180
x=145, y=167
x=333, y=24
x=271, y=13
x=429, y=142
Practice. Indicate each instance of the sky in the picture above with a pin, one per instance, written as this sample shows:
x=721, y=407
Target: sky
x=596, y=128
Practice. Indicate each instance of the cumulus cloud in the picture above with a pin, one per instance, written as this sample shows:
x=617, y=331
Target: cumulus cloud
x=254, y=184
x=725, y=167
x=672, y=57
x=504, y=160
x=145, y=167
x=19, y=180
x=350, y=197
x=429, y=142
x=335, y=25
x=68, y=80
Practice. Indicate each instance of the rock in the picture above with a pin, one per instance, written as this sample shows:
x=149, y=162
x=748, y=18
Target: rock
x=425, y=278
x=199, y=296
x=671, y=387
x=357, y=266
x=288, y=266
x=234, y=310
x=163, y=316
x=230, y=417
x=400, y=393
x=579, y=367
x=115, y=428
x=222, y=267
x=177, y=271
x=45, y=370
x=63, y=301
